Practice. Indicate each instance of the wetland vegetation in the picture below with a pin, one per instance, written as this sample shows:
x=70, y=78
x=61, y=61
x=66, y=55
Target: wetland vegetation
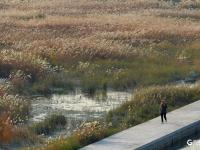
x=52, y=47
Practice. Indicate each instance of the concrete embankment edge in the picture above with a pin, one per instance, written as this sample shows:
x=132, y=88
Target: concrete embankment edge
x=172, y=138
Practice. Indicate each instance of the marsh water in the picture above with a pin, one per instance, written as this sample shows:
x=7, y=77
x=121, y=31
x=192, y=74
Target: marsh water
x=78, y=107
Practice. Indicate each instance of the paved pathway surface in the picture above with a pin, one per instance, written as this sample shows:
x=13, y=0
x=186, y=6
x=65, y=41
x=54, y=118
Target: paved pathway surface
x=149, y=131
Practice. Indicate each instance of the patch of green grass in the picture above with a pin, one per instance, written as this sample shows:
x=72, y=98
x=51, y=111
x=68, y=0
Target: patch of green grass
x=49, y=125
x=30, y=17
x=123, y=74
x=54, y=83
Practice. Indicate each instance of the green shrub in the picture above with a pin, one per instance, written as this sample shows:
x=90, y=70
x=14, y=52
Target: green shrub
x=52, y=82
x=49, y=125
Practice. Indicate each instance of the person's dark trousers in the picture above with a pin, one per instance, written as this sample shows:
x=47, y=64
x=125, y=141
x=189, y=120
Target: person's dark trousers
x=163, y=115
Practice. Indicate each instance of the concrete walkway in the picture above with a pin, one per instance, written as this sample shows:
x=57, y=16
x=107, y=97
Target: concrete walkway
x=152, y=133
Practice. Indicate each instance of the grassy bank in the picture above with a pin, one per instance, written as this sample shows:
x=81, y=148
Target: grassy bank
x=145, y=104
x=86, y=134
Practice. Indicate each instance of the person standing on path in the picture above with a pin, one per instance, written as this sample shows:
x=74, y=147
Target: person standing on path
x=163, y=110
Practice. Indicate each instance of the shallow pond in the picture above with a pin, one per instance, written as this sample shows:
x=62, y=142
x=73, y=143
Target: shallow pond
x=78, y=107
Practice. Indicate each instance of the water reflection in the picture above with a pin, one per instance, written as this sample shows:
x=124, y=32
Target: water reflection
x=78, y=107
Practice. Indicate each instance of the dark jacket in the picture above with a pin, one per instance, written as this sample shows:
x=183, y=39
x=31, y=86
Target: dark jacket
x=163, y=108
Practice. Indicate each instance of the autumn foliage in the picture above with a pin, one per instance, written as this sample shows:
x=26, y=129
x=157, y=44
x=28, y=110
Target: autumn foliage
x=6, y=129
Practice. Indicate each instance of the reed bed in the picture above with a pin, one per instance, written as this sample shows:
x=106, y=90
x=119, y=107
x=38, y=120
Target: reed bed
x=79, y=31
x=118, y=44
x=31, y=26
x=29, y=63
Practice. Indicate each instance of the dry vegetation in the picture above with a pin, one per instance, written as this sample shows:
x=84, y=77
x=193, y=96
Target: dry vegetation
x=64, y=30
x=37, y=35
x=101, y=42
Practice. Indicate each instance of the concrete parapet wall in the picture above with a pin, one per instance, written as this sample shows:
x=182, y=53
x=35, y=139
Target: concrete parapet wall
x=172, y=138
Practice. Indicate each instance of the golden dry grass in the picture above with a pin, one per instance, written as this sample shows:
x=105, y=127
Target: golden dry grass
x=56, y=32
x=38, y=34
x=93, y=28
